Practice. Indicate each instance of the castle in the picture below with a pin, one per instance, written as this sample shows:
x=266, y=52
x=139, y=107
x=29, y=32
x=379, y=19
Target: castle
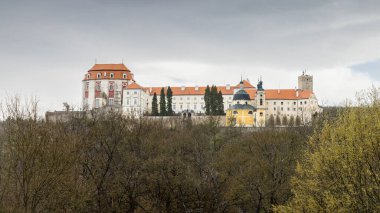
x=114, y=86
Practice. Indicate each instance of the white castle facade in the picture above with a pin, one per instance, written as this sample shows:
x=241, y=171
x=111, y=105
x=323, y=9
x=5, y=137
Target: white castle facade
x=114, y=86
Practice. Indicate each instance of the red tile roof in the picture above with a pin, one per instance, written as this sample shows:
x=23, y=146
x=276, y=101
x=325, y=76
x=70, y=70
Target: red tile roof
x=109, y=67
x=287, y=94
x=134, y=85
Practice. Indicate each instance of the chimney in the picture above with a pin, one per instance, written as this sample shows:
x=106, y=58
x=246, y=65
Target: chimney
x=150, y=90
x=196, y=88
x=228, y=87
x=182, y=88
x=297, y=93
x=278, y=91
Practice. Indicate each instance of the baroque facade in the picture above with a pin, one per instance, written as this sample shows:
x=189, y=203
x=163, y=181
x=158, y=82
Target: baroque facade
x=114, y=86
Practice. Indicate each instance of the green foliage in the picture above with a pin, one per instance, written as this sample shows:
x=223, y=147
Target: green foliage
x=340, y=170
x=163, y=111
x=278, y=120
x=213, y=101
x=154, y=105
x=270, y=122
x=284, y=120
x=207, y=100
x=169, y=97
x=291, y=121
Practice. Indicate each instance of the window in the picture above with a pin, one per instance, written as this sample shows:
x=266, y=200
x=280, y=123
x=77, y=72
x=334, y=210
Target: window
x=128, y=101
x=124, y=75
x=174, y=106
x=261, y=114
x=238, y=102
x=295, y=103
x=135, y=92
x=180, y=98
x=195, y=98
x=305, y=102
x=135, y=101
x=88, y=75
x=294, y=109
x=246, y=102
x=300, y=108
x=97, y=103
x=282, y=109
x=282, y=103
x=195, y=106
x=188, y=106
x=274, y=103
x=250, y=113
x=301, y=103
x=110, y=101
x=288, y=109
x=127, y=93
x=173, y=98
x=98, y=75
x=111, y=75
x=235, y=112
x=188, y=98
x=261, y=102
x=274, y=109
x=180, y=106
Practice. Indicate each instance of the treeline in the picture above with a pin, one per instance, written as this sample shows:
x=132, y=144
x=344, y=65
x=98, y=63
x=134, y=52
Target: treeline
x=108, y=163
x=166, y=106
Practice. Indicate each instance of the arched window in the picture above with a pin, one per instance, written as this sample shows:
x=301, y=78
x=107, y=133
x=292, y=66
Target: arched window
x=124, y=75
x=88, y=75
x=111, y=75
x=261, y=114
x=235, y=112
x=98, y=75
x=250, y=113
x=261, y=102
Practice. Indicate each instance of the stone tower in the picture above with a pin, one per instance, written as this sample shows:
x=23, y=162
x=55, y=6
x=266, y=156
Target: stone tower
x=305, y=82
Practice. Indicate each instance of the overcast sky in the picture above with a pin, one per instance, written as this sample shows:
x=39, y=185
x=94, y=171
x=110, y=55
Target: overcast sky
x=46, y=47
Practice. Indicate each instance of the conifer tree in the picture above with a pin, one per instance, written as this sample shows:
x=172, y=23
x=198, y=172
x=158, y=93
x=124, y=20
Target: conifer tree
x=169, y=95
x=162, y=103
x=207, y=100
x=154, y=105
x=220, y=103
x=278, y=120
x=284, y=120
x=291, y=121
x=298, y=121
x=214, y=100
x=270, y=122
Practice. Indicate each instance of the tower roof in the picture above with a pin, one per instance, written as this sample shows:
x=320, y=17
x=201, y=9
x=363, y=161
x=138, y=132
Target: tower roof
x=109, y=67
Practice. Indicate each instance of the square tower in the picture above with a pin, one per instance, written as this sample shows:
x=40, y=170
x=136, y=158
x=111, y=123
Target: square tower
x=305, y=82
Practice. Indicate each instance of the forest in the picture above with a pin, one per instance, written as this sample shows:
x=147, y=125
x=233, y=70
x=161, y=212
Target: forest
x=110, y=163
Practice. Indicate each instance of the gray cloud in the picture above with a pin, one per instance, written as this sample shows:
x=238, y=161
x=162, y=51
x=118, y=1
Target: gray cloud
x=47, y=46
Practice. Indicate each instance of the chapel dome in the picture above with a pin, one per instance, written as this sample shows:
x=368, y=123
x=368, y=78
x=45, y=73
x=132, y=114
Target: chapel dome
x=241, y=95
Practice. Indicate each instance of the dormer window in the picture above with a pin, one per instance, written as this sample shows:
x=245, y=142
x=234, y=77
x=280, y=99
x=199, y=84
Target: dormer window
x=88, y=75
x=111, y=75
x=124, y=75
x=98, y=75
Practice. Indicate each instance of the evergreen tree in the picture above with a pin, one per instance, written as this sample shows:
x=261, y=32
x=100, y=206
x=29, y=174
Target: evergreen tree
x=270, y=122
x=278, y=120
x=169, y=95
x=220, y=103
x=207, y=100
x=154, y=105
x=298, y=121
x=285, y=120
x=214, y=100
x=162, y=103
x=291, y=121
